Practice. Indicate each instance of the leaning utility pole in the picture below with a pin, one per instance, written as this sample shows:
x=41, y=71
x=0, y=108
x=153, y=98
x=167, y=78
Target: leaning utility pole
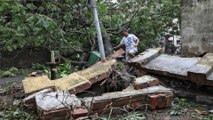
x=98, y=29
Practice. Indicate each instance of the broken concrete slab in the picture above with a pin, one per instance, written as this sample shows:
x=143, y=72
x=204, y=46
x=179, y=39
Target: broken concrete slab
x=98, y=71
x=56, y=105
x=202, y=70
x=197, y=70
x=30, y=101
x=75, y=82
x=145, y=56
x=145, y=81
x=33, y=84
x=63, y=105
x=119, y=99
x=173, y=66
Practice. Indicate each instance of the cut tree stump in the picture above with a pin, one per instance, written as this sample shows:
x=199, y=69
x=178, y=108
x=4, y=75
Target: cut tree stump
x=75, y=82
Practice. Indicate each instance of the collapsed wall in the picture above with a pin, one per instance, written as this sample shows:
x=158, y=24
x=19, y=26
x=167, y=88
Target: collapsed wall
x=196, y=25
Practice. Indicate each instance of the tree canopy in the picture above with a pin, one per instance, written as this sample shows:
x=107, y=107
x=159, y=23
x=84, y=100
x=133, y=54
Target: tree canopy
x=68, y=25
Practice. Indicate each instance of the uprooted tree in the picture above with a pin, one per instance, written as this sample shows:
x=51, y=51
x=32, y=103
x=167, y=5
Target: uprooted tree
x=68, y=25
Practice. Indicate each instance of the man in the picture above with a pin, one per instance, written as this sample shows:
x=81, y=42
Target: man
x=131, y=42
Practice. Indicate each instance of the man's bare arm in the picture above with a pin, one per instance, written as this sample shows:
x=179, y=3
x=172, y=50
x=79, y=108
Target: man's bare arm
x=137, y=42
x=117, y=46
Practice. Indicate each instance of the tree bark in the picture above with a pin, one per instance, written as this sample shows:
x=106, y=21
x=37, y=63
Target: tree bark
x=107, y=43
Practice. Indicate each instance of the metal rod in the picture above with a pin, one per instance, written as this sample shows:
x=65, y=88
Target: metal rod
x=97, y=24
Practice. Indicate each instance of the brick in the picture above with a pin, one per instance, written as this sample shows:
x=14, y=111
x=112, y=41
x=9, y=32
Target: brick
x=137, y=98
x=97, y=103
x=59, y=114
x=153, y=101
x=118, y=53
x=100, y=111
x=161, y=101
x=169, y=99
x=79, y=112
x=145, y=81
x=136, y=105
x=121, y=101
x=78, y=88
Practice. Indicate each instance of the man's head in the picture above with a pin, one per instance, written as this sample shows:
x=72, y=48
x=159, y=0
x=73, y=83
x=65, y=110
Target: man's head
x=124, y=32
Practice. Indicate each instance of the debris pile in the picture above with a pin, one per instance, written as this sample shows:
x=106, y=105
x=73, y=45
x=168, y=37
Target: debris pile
x=197, y=70
x=58, y=99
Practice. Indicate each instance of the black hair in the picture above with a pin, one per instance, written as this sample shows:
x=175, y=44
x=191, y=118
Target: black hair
x=124, y=30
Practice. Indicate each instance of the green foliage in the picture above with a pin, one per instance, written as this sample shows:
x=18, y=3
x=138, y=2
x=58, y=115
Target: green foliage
x=179, y=105
x=134, y=116
x=12, y=72
x=37, y=66
x=64, y=69
x=69, y=25
x=8, y=74
x=15, y=112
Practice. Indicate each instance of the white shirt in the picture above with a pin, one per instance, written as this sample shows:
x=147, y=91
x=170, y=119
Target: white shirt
x=129, y=42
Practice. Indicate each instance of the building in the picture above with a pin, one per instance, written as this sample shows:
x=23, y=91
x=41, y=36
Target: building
x=197, y=27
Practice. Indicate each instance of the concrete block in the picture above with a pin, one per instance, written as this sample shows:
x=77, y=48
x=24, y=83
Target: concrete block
x=145, y=81
x=56, y=105
x=30, y=101
x=145, y=57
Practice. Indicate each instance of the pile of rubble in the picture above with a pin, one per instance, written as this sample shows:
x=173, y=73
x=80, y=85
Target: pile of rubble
x=57, y=99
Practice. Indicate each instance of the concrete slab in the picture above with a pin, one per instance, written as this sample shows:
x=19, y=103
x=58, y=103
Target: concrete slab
x=201, y=72
x=57, y=100
x=197, y=70
x=33, y=84
x=75, y=82
x=56, y=105
x=98, y=71
x=118, y=99
x=30, y=101
x=146, y=56
x=171, y=65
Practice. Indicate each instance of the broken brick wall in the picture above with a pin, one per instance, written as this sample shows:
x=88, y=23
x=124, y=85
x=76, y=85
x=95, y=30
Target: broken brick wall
x=196, y=25
x=22, y=58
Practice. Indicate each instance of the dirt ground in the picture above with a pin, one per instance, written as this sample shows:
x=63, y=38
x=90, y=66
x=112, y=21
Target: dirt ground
x=11, y=108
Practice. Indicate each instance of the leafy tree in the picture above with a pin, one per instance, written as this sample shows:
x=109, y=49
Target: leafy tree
x=68, y=25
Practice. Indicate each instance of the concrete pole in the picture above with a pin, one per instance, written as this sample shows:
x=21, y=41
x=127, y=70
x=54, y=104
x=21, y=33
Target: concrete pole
x=98, y=29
